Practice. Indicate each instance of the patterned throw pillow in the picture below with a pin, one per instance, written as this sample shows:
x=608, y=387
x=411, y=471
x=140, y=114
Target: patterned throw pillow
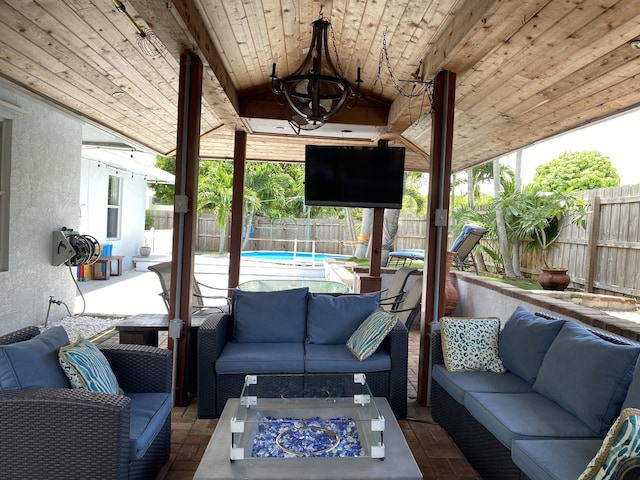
x=622, y=441
x=87, y=368
x=370, y=334
x=471, y=344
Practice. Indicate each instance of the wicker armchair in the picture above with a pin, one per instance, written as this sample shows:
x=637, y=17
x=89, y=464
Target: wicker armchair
x=74, y=434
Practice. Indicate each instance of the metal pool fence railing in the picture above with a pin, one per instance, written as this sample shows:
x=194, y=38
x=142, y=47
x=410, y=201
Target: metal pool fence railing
x=290, y=257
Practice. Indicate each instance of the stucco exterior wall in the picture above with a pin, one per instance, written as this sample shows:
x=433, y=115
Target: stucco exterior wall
x=93, y=208
x=480, y=297
x=45, y=174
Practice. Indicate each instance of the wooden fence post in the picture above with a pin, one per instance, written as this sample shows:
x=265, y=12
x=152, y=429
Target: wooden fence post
x=592, y=246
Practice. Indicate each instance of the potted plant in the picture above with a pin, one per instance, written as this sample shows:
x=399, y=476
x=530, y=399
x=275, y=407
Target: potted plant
x=145, y=250
x=543, y=220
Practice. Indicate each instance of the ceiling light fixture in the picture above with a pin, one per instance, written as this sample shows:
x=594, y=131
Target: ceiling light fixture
x=317, y=90
x=635, y=44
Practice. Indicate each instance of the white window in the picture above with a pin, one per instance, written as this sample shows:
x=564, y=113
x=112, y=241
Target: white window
x=5, y=177
x=114, y=199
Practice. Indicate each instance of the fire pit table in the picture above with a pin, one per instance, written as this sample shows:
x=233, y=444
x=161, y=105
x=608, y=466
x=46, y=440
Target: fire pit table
x=311, y=426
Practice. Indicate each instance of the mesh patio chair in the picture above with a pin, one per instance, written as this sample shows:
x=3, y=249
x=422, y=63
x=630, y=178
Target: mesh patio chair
x=409, y=309
x=464, y=244
x=392, y=296
x=163, y=270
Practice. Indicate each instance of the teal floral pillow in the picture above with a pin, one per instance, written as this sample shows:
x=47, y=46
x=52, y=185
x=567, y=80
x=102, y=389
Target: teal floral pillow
x=370, y=334
x=87, y=368
x=622, y=441
x=471, y=344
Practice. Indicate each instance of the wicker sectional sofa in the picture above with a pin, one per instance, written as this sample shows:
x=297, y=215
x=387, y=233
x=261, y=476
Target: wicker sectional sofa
x=53, y=431
x=293, y=332
x=546, y=417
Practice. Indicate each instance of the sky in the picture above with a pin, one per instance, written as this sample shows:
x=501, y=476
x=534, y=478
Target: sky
x=618, y=139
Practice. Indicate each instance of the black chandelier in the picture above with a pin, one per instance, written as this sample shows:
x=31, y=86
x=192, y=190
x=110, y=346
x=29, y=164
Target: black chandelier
x=317, y=90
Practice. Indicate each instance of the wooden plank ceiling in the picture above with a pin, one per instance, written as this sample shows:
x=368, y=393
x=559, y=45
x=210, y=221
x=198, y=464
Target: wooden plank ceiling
x=526, y=69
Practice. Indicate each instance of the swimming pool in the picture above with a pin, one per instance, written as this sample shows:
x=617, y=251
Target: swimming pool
x=285, y=257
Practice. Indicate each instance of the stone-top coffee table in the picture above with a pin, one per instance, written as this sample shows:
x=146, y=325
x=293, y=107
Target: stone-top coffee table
x=307, y=427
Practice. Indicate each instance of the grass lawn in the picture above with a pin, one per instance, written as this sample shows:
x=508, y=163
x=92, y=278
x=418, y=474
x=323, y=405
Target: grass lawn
x=521, y=283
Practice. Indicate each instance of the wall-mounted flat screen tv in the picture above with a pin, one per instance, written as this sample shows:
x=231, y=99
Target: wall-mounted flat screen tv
x=366, y=177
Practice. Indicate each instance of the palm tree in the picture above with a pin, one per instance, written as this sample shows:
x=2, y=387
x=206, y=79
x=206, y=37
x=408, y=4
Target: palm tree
x=362, y=243
x=412, y=201
x=272, y=189
x=215, y=192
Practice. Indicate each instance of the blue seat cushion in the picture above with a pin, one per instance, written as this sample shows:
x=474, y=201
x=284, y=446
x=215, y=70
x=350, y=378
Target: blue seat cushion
x=511, y=416
x=338, y=359
x=34, y=362
x=524, y=341
x=149, y=412
x=554, y=459
x=578, y=360
x=261, y=358
x=331, y=320
x=458, y=383
x=275, y=317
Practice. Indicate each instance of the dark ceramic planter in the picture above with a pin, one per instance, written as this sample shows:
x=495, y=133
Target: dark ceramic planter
x=554, y=278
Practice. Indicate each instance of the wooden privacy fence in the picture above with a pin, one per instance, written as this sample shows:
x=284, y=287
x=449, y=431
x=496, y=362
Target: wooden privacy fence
x=325, y=234
x=604, y=258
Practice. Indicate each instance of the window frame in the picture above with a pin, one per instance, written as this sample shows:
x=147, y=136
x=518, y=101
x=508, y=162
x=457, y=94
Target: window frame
x=111, y=207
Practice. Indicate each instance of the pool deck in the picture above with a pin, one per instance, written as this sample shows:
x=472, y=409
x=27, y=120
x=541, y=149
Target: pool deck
x=139, y=292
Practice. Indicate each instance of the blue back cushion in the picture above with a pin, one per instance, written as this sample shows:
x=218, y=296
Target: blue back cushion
x=331, y=320
x=34, y=363
x=272, y=317
x=587, y=375
x=632, y=400
x=524, y=341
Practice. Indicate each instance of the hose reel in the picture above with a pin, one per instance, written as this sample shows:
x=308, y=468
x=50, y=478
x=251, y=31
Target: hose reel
x=72, y=249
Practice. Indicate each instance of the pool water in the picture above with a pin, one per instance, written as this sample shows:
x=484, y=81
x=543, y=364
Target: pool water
x=300, y=258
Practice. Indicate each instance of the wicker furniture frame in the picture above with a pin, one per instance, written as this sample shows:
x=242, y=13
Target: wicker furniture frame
x=215, y=389
x=62, y=433
x=486, y=454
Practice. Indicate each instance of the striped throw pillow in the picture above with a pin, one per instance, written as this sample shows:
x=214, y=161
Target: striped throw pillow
x=370, y=334
x=87, y=368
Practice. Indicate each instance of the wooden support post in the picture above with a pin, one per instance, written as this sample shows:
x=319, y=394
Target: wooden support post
x=438, y=201
x=239, y=160
x=185, y=214
x=592, y=246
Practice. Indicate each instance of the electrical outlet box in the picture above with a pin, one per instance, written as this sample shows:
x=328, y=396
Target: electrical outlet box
x=440, y=219
x=181, y=204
